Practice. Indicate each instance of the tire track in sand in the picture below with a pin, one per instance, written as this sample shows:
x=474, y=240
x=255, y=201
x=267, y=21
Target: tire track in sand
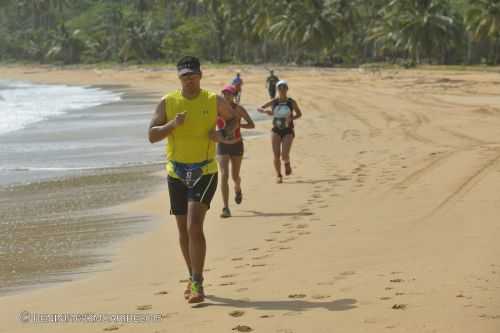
x=467, y=185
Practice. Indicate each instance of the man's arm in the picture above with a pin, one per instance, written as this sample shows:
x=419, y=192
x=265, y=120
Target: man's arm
x=160, y=127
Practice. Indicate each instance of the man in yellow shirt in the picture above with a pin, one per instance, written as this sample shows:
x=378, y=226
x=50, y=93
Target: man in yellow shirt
x=187, y=118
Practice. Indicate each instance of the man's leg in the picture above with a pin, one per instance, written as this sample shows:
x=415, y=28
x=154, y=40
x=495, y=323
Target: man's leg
x=184, y=242
x=184, y=239
x=197, y=249
x=198, y=205
x=197, y=242
x=178, y=207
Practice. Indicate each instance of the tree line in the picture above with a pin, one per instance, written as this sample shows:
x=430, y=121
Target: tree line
x=304, y=32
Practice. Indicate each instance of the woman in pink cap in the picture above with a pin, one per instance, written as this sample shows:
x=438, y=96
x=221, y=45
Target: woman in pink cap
x=231, y=153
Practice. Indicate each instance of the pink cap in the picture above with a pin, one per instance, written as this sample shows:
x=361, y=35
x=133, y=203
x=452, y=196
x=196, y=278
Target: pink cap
x=230, y=89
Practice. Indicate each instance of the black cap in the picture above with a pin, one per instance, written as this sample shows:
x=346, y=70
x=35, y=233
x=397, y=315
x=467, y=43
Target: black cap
x=187, y=65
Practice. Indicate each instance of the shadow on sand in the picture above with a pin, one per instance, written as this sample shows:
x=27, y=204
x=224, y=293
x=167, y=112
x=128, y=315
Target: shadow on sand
x=254, y=213
x=343, y=304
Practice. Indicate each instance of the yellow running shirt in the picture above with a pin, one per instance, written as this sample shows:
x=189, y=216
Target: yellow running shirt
x=189, y=143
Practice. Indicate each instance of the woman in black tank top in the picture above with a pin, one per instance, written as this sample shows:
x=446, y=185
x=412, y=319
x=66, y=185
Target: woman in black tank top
x=284, y=111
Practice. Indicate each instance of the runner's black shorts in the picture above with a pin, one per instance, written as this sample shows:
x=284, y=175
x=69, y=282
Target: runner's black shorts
x=235, y=149
x=282, y=132
x=180, y=194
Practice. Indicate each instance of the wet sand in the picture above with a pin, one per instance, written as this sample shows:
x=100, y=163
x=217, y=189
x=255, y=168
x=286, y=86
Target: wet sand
x=389, y=222
x=56, y=230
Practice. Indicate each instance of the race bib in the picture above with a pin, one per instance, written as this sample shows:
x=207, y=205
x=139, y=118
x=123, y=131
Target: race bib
x=280, y=123
x=189, y=174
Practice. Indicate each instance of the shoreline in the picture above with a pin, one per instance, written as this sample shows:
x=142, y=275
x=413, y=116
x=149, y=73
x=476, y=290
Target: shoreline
x=369, y=233
x=59, y=223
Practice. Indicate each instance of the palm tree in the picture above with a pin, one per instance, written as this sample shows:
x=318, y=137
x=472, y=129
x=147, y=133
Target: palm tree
x=304, y=25
x=483, y=20
x=419, y=26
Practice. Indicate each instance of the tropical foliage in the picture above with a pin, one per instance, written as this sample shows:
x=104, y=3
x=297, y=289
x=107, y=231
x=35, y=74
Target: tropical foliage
x=321, y=32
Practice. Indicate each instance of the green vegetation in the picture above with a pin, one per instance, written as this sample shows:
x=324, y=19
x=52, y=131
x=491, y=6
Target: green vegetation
x=311, y=32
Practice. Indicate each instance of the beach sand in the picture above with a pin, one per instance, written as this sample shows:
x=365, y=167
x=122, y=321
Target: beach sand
x=389, y=222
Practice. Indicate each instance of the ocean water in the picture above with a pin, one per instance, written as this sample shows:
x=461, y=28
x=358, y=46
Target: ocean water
x=49, y=131
x=23, y=103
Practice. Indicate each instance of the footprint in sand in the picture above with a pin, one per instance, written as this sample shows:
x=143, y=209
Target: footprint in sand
x=261, y=257
x=287, y=240
x=184, y=281
x=161, y=292
x=235, y=259
x=302, y=226
x=259, y=265
x=399, y=294
x=236, y=313
x=156, y=283
x=384, y=298
x=397, y=280
x=286, y=224
x=224, y=284
x=242, y=328
x=319, y=297
x=111, y=328
x=485, y=316
x=228, y=276
x=304, y=233
x=348, y=273
x=284, y=248
x=270, y=240
x=297, y=296
x=144, y=307
x=276, y=232
x=254, y=249
x=242, y=266
x=266, y=316
x=399, y=307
